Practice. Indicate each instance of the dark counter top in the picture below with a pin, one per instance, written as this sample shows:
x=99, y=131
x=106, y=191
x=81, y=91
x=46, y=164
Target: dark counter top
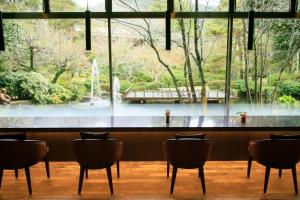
x=150, y=123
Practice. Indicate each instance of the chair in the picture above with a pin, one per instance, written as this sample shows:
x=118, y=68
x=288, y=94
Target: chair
x=21, y=154
x=97, y=154
x=273, y=137
x=178, y=137
x=188, y=154
x=22, y=136
x=102, y=136
x=279, y=154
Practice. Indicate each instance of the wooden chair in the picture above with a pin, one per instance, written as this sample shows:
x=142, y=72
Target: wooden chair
x=188, y=154
x=102, y=136
x=96, y=154
x=19, y=154
x=273, y=137
x=178, y=137
x=278, y=154
x=22, y=136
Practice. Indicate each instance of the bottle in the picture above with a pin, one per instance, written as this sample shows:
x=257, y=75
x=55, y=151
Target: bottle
x=243, y=117
x=167, y=114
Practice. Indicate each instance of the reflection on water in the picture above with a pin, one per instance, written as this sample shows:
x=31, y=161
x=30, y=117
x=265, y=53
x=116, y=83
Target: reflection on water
x=103, y=108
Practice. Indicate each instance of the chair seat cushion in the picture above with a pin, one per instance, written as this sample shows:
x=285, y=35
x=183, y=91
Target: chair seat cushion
x=94, y=135
x=278, y=136
x=13, y=136
x=196, y=136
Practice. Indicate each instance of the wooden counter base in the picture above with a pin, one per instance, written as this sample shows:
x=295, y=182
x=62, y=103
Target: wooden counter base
x=147, y=146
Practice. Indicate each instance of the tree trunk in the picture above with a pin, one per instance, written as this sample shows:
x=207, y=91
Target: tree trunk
x=255, y=72
x=57, y=75
x=31, y=67
x=246, y=63
x=199, y=58
x=186, y=83
x=187, y=56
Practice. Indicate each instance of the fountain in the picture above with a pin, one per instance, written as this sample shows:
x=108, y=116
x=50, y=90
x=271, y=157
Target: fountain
x=116, y=90
x=95, y=73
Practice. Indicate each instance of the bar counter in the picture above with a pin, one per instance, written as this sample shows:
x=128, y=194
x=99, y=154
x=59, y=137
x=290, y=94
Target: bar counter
x=150, y=123
x=142, y=136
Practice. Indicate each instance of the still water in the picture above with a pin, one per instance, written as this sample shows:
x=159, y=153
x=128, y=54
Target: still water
x=103, y=108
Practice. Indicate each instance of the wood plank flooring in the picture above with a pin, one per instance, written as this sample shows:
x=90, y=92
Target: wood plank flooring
x=147, y=180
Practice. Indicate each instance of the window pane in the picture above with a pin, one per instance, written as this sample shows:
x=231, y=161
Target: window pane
x=48, y=72
x=267, y=78
x=76, y=5
x=139, y=6
x=21, y=6
x=203, y=5
x=152, y=79
x=263, y=6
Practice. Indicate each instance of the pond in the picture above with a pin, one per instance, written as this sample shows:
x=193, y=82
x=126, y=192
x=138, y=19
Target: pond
x=103, y=108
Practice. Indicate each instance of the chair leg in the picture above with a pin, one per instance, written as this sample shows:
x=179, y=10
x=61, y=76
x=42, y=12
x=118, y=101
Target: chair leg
x=295, y=178
x=1, y=175
x=16, y=173
x=201, y=173
x=249, y=166
x=173, y=179
x=86, y=173
x=267, y=174
x=109, y=177
x=168, y=169
x=80, y=179
x=118, y=168
x=27, y=172
x=280, y=173
x=47, y=166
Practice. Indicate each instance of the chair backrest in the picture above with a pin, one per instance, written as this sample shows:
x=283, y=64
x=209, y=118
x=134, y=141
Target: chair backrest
x=15, y=136
x=276, y=153
x=188, y=153
x=180, y=137
x=94, y=135
x=278, y=136
x=16, y=154
x=197, y=136
x=96, y=153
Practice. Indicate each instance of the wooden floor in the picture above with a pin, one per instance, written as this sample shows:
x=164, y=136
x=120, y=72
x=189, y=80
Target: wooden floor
x=147, y=180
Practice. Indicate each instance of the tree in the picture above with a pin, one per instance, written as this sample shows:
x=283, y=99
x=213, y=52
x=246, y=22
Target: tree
x=146, y=32
x=63, y=53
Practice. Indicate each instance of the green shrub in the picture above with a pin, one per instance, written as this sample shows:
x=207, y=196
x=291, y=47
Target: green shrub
x=125, y=85
x=239, y=86
x=289, y=100
x=152, y=86
x=289, y=88
x=35, y=87
x=216, y=85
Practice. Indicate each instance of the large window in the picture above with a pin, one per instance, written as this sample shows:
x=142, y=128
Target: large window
x=47, y=69
x=266, y=79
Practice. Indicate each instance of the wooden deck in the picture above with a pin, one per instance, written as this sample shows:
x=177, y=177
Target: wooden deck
x=170, y=95
x=147, y=181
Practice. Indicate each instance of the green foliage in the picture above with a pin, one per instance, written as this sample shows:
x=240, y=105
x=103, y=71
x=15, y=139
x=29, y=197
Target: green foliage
x=290, y=88
x=289, y=100
x=216, y=85
x=125, y=85
x=239, y=86
x=33, y=86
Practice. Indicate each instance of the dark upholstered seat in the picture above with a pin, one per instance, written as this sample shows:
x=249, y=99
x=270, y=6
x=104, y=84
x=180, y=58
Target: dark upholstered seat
x=22, y=136
x=279, y=154
x=97, y=154
x=188, y=154
x=273, y=137
x=178, y=137
x=102, y=136
x=19, y=154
